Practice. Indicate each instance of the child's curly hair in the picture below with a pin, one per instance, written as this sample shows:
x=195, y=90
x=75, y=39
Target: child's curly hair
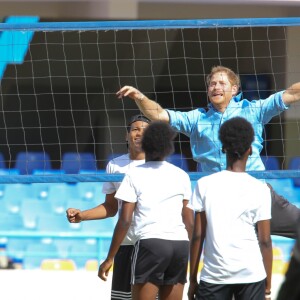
x=158, y=140
x=236, y=136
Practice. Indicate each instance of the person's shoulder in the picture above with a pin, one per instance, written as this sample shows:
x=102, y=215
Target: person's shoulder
x=173, y=169
x=214, y=177
x=259, y=184
x=121, y=158
x=119, y=162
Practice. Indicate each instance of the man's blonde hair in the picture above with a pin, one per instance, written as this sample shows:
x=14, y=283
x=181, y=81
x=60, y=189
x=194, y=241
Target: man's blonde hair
x=233, y=78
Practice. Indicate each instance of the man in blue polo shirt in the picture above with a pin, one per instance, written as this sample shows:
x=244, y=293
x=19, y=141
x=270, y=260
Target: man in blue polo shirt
x=202, y=127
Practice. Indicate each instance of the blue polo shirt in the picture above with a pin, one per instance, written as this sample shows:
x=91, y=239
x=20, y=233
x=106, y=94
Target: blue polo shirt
x=202, y=127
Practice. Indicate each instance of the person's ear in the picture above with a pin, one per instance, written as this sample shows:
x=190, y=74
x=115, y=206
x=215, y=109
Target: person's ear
x=250, y=151
x=234, y=89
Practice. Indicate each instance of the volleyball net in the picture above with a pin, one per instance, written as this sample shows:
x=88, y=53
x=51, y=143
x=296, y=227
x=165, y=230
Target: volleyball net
x=59, y=84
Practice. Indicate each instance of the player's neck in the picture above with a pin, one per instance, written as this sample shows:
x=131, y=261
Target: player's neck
x=236, y=165
x=136, y=155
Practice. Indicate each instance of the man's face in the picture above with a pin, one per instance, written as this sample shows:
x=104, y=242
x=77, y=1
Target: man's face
x=134, y=136
x=220, y=91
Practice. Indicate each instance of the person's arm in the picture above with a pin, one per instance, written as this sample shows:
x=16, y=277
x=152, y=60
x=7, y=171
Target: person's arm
x=105, y=210
x=265, y=244
x=196, y=250
x=292, y=94
x=120, y=232
x=188, y=218
x=149, y=108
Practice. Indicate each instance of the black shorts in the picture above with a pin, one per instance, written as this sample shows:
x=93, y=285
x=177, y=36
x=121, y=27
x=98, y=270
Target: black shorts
x=240, y=291
x=161, y=262
x=121, y=288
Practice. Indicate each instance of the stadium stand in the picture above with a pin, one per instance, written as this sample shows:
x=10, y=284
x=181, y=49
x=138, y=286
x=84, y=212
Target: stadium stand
x=271, y=162
x=27, y=162
x=73, y=162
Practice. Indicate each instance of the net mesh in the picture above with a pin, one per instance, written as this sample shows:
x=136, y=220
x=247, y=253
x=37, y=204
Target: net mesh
x=59, y=84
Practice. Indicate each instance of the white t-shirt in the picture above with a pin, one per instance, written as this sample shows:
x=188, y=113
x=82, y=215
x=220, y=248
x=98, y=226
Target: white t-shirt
x=158, y=188
x=120, y=164
x=233, y=203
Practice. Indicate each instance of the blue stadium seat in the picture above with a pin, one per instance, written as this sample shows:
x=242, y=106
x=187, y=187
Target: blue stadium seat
x=37, y=252
x=74, y=162
x=59, y=194
x=90, y=191
x=294, y=164
x=31, y=209
x=2, y=161
x=40, y=190
x=99, y=196
x=86, y=190
x=16, y=247
x=270, y=162
x=27, y=162
x=83, y=250
x=56, y=223
x=99, y=226
x=64, y=245
x=11, y=171
x=81, y=204
x=10, y=221
x=14, y=193
x=179, y=160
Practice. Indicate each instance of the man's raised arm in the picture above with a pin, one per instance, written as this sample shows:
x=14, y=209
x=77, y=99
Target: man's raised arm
x=292, y=94
x=149, y=108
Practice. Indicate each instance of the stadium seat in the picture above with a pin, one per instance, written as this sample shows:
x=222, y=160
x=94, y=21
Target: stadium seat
x=279, y=266
x=283, y=186
x=11, y=171
x=59, y=194
x=99, y=196
x=10, y=221
x=83, y=250
x=64, y=245
x=74, y=162
x=2, y=161
x=270, y=162
x=16, y=191
x=294, y=164
x=16, y=247
x=55, y=223
x=40, y=190
x=81, y=204
x=27, y=162
x=31, y=209
x=92, y=265
x=86, y=190
x=37, y=252
x=179, y=160
x=106, y=226
x=90, y=191
x=58, y=265
x=10, y=205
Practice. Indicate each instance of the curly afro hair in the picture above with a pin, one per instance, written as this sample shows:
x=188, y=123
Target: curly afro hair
x=158, y=140
x=236, y=136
